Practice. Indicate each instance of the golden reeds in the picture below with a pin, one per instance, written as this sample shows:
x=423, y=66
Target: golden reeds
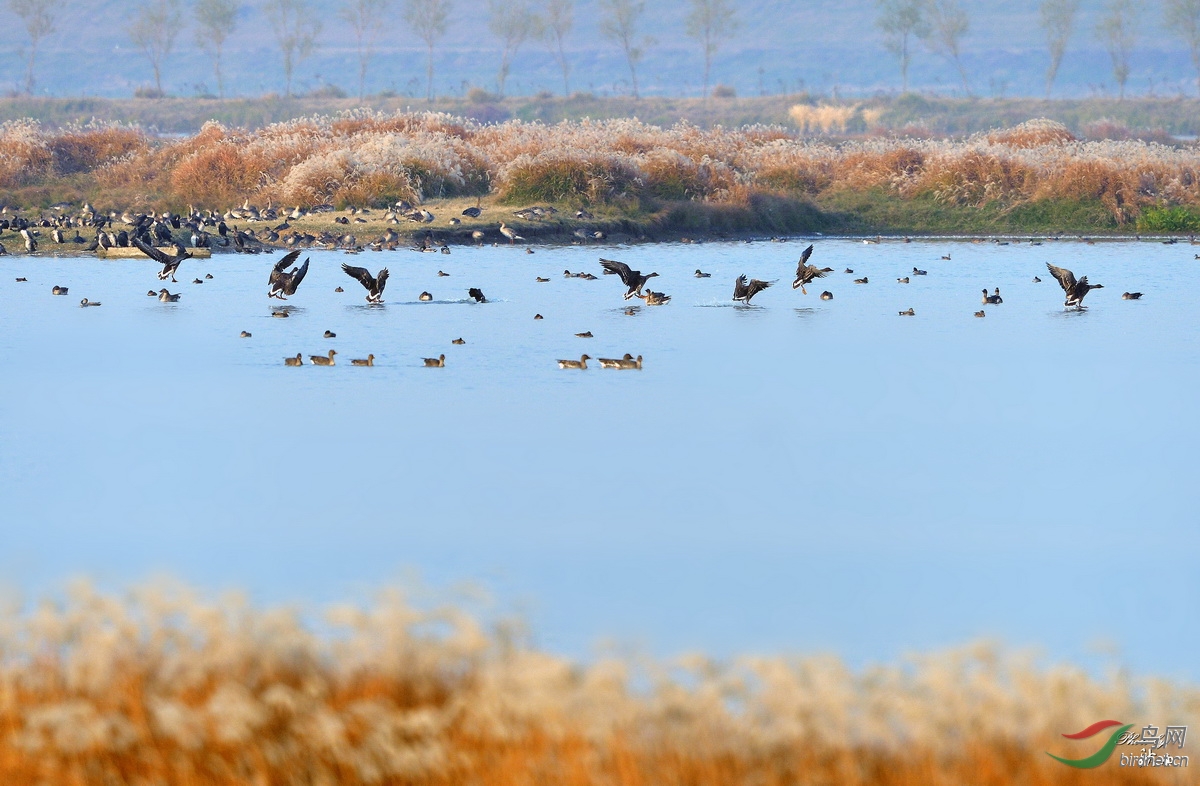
x=162, y=687
x=367, y=158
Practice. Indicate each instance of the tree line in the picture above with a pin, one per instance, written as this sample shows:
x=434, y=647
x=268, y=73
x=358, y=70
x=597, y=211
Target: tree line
x=941, y=25
x=296, y=25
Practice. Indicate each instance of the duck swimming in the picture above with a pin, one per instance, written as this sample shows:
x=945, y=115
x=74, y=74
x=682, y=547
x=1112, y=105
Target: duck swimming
x=437, y=362
x=580, y=364
x=167, y=297
x=425, y=297
x=1131, y=296
x=369, y=360
x=296, y=361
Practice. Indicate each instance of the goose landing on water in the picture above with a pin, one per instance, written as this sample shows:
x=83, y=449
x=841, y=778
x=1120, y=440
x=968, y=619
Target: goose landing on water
x=629, y=277
x=373, y=284
x=169, y=262
x=744, y=291
x=284, y=282
x=1075, y=290
x=805, y=273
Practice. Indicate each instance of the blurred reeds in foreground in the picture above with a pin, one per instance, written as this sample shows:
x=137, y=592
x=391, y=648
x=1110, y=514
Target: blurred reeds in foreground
x=362, y=158
x=162, y=687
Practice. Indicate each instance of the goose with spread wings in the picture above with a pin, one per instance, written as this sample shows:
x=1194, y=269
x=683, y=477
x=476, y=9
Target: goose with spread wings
x=1076, y=290
x=283, y=281
x=631, y=278
x=743, y=291
x=170, y=262
x=374, y=284
x=806, y=273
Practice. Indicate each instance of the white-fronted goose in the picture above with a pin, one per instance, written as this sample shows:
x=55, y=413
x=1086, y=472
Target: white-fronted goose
x=806, y=273
x=437, y=362
x=369, y=360
x=170, y=262
x=167, y=297
x=509, y=233
x=1076, y=291
x=323, y=360
x=296, y=361
x=744, y=291
x=373, y=284
x=284, y=282
x=631, y=278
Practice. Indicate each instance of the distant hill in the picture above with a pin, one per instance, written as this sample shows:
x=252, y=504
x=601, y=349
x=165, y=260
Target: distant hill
x=819, y=46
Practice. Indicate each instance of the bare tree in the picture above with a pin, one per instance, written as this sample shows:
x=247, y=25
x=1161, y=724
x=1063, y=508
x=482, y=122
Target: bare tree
x=427, y=18
x=1117, y=31
x=709, y=22
x=619, y=24
x=154, y=33
x=1183, y=17
x=948, y=23
x=296, y=30
x=513, y=23
x=365, y=18
x=901, y=21
x=38, y=16
x=1058, y=19
x=217, y=19
x=560, y=18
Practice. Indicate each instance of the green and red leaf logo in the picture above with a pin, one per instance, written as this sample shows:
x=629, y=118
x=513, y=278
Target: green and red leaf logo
x=1106, y=750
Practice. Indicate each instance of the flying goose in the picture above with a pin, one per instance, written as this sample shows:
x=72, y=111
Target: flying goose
x=322, y=360
x=373, y=284
x=1076, y=290
x=744, y=292
x=631, y=278
x=286, y=283
x=805, y=273
x=170, y=262
x=581, y=363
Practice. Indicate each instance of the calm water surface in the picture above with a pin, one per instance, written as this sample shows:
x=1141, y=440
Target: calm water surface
x=793, y=476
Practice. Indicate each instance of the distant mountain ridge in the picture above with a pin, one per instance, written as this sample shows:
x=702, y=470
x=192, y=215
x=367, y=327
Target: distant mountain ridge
x=821, y=46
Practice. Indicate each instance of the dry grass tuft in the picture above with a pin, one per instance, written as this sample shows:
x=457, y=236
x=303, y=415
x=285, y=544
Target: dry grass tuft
x=367, y=158
x=162, y=686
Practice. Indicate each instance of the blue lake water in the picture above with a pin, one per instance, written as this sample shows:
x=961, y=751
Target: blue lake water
x=794, y=476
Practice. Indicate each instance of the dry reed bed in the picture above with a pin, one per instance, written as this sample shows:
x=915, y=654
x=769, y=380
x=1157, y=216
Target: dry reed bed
x=161, y=686
x=365, y=158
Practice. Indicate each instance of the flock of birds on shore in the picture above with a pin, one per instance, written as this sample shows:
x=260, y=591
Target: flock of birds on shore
x=286, y=276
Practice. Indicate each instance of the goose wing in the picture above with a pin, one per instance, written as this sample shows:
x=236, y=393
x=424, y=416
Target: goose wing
x=381, y=280
x=621, y=269
x=755, y=287
x=739, y=288
x=283, y=264
x=361, y=273
x=807, y=253
x=157, y=255
x=294, y=279
x=1066, y=279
